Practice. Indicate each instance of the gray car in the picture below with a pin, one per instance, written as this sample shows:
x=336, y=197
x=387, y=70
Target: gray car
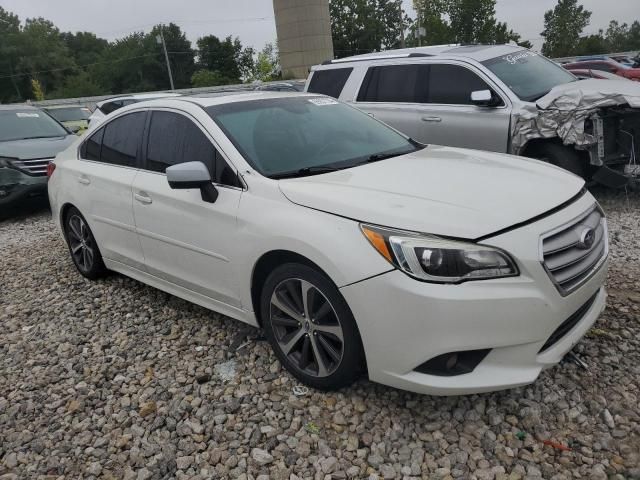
x=29, y=140
x=500, y=98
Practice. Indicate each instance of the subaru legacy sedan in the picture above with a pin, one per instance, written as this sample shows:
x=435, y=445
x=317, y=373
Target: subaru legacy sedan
x=355, y=248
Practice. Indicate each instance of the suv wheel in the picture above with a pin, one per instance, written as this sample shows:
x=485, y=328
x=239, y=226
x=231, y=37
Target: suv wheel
x=82, y=245
x=311, y=328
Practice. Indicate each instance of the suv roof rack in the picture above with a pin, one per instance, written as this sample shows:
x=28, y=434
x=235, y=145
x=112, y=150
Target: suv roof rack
x=376, y=57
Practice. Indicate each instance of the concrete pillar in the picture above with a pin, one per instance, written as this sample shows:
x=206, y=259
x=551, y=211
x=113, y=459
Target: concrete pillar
x=304, y=35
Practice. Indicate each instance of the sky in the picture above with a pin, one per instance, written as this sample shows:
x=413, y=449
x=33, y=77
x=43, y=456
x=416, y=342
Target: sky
x=253, y=20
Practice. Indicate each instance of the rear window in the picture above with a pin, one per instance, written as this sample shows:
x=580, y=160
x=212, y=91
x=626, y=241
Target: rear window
x=395, y=83
x=329, y=82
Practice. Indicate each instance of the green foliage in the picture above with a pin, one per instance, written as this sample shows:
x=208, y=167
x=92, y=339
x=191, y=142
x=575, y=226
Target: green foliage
x=362, y=26
x=79, y=84
x=562, y=28
x=459, y=21
x=207, y=78
x=36, y=88
x=267, y=66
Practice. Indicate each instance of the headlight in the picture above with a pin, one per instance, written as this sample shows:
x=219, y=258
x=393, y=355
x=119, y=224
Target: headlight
x=5, y=162
x=435, y=259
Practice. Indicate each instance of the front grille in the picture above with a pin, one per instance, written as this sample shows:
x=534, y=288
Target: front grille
x=572, y=253
x=37, y=166
x=566, y=326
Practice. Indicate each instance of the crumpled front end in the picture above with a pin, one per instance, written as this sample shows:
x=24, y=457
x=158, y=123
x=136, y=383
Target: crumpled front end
x=601, y=117
x=16, y=185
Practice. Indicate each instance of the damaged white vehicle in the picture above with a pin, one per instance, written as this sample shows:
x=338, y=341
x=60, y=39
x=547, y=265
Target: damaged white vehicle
x=499, y=98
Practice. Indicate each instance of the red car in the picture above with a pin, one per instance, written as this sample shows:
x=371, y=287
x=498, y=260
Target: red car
x=610, y=66
x=583, y=73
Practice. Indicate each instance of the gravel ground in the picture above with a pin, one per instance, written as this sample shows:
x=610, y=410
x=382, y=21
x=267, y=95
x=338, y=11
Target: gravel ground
x=115, y=379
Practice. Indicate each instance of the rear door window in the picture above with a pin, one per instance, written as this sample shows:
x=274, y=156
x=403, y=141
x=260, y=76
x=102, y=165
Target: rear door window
x=453, y=84
x=122, y=139
x=395, y=83
x=329, y=82
x=90, y=149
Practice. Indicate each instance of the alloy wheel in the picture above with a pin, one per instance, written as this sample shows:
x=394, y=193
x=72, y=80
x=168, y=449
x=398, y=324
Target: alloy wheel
x=306, y=327
x=81, y=243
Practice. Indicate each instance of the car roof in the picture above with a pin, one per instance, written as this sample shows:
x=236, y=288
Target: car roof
x=475, y=52
x=220, y=98
x=54, y=107
x=18, y=106
x=140, y=96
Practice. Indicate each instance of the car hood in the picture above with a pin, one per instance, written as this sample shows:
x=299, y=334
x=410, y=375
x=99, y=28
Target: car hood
x=591, y=93
x=439, y=190
x=36, y=147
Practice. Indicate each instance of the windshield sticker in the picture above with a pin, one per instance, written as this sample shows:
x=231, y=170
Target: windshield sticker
x=27, y=115
x=323, y=101
x=515, y=59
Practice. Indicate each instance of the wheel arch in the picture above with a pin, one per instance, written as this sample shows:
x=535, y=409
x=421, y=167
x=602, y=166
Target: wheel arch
x=266, y=264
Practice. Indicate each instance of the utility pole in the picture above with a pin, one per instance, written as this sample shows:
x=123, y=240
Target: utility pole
x=160, y=39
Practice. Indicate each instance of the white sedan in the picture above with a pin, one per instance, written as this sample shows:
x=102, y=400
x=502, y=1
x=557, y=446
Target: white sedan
x=356, y=249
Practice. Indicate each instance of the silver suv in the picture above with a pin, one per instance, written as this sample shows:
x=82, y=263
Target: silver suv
x=499, y=98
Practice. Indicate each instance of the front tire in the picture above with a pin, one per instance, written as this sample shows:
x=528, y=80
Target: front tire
x=82, y=245
x=311, y=328
x=563, y=157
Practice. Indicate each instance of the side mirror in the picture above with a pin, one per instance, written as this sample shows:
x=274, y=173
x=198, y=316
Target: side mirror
x=192, y=175
x=482, y=98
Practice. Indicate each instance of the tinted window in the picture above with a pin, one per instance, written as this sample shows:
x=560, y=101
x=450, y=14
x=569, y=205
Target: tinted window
x=605, y=67
x=122, y=138
x=90, y=149
x=452, y=84
x=109, y=107
x=174, y=139
x=329, y=82
x=395, y=83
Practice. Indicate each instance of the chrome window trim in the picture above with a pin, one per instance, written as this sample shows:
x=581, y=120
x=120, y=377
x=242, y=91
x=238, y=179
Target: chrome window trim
x=603, y=221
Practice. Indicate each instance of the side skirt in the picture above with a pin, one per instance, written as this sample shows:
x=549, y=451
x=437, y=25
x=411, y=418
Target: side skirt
x=181, y=292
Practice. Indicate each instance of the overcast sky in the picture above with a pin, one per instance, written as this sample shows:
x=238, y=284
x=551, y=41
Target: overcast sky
x=252, y=20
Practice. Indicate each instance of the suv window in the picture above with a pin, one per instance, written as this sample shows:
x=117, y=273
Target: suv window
x=174, y=139
x=329, y=82
x=122, y=138
x=453, y=84
x=395, y=83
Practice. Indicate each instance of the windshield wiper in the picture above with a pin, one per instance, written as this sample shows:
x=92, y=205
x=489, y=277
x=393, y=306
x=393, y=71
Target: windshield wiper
x=306, y=171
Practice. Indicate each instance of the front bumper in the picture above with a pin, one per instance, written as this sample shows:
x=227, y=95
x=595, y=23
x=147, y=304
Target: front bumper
x=16, y=186
x=404, y=323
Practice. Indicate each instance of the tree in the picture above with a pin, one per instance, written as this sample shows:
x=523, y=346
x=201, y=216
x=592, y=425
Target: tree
x=79, y=84
x=9, y=48
x=592, y=45
x=562, y=28
x=362, y=26
x=207, y=78
x=43, y=55
x=473, y=21
x=85, y=47
x=267, y=65
x=220, y=56
x=460, y=21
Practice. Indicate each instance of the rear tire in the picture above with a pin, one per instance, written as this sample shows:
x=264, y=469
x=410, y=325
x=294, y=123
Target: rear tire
x=563, y=157
x=310, y=327
x=83, y=248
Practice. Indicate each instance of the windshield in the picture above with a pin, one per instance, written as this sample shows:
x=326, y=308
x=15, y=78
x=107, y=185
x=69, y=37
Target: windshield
x=528, y=74
x=304, y=135
x=25, y=124
x=69, y=114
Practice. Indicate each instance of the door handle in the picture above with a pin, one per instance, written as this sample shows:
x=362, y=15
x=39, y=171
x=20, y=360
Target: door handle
x=143, y=197
x=431, y=119
x=84, y=180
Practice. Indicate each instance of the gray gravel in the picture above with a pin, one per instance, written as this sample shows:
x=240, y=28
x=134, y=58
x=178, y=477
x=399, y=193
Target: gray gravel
x=114, y=379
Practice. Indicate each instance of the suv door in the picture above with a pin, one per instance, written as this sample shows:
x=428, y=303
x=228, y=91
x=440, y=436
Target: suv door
x=431, y=102
x=105, y=170
x=186, y=241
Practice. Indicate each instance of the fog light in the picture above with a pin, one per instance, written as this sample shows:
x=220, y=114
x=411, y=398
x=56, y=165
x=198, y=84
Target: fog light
x=453, y=363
